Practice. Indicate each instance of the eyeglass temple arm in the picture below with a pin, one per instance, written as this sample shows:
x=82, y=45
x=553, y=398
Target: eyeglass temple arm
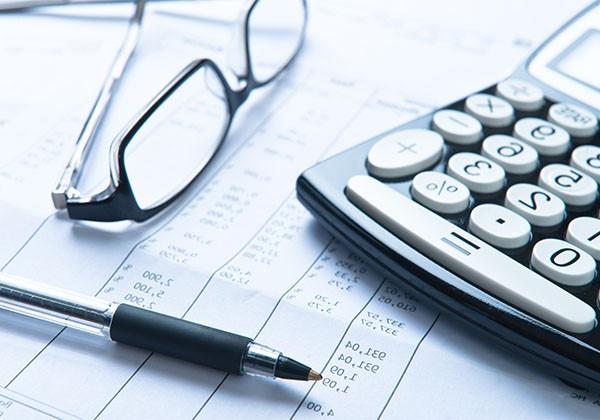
x=22, y=5
x=66, y=185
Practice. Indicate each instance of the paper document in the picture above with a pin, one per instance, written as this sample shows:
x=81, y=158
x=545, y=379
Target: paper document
x=239, y=252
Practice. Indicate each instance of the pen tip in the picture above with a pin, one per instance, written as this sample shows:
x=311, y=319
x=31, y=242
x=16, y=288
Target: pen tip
x=314, y=376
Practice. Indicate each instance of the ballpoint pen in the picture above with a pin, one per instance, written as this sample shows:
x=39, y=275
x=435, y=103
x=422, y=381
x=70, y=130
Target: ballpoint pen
x=149, y=330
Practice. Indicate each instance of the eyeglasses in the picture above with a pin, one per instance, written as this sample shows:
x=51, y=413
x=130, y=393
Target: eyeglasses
x=169, y=144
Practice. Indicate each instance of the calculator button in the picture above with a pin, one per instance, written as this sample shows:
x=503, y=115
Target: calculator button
x=404, y=153
x=440, y=193
x=499, y=226
x=574, y=187
x=547, y=138
x=490, y=110
x=576, y=120
x=538, y=206
x=563, y=262
x=469, y=257
x=515, y=156
x=587, y=160
x=457, y=127
x=584, y=232
x=479, y=174
x=521, y=95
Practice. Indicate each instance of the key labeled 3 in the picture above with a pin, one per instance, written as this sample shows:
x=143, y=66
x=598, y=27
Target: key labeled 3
x=573, y=187
x=563, y=262
x=479, y=174
x=440, y=193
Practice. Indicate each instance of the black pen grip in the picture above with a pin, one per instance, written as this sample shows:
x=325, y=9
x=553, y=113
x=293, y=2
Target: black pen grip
x=178, y=338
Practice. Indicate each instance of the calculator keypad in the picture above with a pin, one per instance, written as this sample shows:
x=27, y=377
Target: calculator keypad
x=498, y=165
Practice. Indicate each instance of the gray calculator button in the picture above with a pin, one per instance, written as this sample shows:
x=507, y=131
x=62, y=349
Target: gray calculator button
x=440, y=193
x=563, y=262
x=457, y=127
x=587, y=159
x=468, y=257
x=584, y=232
x=577, y=121
x=574, y=187
x=539, y=206
x=478, y=173
x=522, y=95
x=404, y=153
x=547, y=138
x=515, y=156
x=499, y=226
x=491, y=110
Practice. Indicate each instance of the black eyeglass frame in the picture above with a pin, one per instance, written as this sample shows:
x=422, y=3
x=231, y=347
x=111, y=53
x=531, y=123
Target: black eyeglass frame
x=118, y=201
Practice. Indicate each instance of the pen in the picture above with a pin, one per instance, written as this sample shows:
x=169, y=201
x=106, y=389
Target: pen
x=149, y=330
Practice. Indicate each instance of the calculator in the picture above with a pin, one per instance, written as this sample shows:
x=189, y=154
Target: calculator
x=489, y=206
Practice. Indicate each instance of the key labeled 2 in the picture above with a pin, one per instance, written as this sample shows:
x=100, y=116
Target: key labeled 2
x=478, y=173
x=537, y=205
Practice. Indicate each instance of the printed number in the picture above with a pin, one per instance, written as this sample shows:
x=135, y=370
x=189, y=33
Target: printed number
x=575, y=256
x=595, y=159
x=532, y=196
x=542, y=132
x=480, y=164
x=563, y=179
x=510, y=150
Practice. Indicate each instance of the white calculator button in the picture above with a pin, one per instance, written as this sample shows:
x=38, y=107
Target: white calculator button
x=490, y=110
x=440, y=193
x=404, y=153
x=587, y=159
x=457, y=127
x=538, y=206
x=563, y=262
x=468, y=257
x=584, y=232
x=515, y=156
x=499, y=226
x=574, y=187
x=576, y=120
x=522, y=95
x=479, y=174
x=547, y=138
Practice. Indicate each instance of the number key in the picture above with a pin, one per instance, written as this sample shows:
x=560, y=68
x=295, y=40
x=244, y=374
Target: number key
x=584, y=232
x=547, y=138
x=573, y=187
x=563, y=262
x=479, y=174
x=538, y=206
x=515, y=156
x=587, y=159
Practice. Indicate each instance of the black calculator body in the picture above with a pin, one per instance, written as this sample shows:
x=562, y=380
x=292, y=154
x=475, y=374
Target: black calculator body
x=489, y=206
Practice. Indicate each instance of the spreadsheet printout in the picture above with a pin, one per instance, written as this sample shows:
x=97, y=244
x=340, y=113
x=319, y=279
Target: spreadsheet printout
x=239, y=252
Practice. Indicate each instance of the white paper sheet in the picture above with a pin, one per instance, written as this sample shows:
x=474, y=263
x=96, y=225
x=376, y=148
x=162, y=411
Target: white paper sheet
x=239, y=252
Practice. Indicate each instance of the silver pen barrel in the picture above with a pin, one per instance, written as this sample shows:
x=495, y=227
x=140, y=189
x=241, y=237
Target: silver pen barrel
x=55, y=305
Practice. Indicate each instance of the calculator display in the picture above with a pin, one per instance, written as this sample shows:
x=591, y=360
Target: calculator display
x=581, y=60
